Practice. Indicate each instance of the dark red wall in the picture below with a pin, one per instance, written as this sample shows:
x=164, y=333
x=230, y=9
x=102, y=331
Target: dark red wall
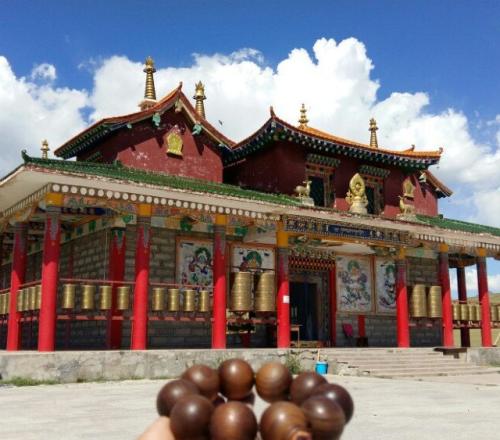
x=280, y=167
x=142, y=147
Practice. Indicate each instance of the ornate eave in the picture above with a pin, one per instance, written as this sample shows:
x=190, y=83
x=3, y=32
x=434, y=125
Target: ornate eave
x=319, y=142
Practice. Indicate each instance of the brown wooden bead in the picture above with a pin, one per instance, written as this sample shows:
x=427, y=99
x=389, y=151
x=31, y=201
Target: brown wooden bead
x=233, y=421
x=303, y=386
x=171, y=392
x=272, y=382
x=190, y=417
x=338, y=394
x=326, y=418
x=284, y=421
x=236, y=379
x=205, y=378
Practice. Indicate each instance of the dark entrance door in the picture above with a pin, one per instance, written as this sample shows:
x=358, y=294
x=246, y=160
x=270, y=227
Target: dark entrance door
x=303, y=309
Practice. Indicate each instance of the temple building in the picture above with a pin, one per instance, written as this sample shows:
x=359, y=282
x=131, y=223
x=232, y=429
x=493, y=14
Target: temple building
x=154, y=230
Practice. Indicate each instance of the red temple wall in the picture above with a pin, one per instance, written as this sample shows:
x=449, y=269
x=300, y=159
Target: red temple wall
x=143, y=147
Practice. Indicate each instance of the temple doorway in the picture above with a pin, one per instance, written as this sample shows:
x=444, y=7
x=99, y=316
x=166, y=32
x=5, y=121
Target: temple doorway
x=304, y=309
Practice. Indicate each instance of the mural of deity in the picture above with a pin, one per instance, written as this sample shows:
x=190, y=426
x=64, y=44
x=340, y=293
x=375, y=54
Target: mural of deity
x=354, y=286
x=194, y=265
x=386, y=285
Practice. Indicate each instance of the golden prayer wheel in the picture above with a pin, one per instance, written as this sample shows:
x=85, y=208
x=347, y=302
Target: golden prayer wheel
x=158, y=299
x=26, y=299
x=434, y=304
x=472, y=312
x=105, y=297
x=38, y=296
x=464, y=312
x=241, y=292
x=2, y=304
x=88, y=294
x=477, y=312
x=68, y=296
x=456, y=311
x=204, y=301
x=493, y=313
x=189, y=300
x=7, y=303
x=498, y=310
x=418, y=302
x=265, y=292
x=32, y=297
x=123, y=300
x=20, y=296
x=173, y=300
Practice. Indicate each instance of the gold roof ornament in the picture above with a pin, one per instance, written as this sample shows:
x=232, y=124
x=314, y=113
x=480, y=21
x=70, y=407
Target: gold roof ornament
x=199, y=97
x=149, y=91
x=303, y=117
x=408, y=189
x=45, y=149
x=356, y=196
x=373, y=133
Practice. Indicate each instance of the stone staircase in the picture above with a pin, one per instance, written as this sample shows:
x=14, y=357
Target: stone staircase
x=399, y=363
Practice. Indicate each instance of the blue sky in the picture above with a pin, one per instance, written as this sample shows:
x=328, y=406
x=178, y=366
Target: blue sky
x=442, y=57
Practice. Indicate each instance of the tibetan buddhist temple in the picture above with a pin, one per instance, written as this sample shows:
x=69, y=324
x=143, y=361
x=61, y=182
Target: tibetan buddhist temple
x=154, y=230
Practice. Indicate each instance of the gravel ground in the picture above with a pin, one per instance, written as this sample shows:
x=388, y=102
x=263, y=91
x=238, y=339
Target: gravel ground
x=442, y=408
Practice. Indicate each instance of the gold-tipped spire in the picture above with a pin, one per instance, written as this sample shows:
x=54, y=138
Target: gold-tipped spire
x=303, y=116
x=149, y=69
x=45, y=149
x=199, y=97
x=373, y=133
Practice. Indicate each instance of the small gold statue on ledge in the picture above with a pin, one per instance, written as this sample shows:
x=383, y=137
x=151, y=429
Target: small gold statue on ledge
x=356, y=196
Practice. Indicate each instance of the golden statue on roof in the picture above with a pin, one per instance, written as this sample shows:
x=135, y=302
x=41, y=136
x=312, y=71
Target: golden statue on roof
x=373, y=133
x=356, y=196
x=199, y=97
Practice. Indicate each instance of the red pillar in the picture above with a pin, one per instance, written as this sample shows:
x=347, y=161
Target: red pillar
x=16, y=279
x=444, y=280
x=219, y=283
x=402, y=324
x=50, y=278
x=116, y=273
x=283, y=296
x=462, y=296
x=484, y=298
x=333, y=307
x=139, y=333
x=361, y=326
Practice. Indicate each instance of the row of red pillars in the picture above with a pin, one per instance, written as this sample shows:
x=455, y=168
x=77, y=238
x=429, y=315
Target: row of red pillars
x=50, y=277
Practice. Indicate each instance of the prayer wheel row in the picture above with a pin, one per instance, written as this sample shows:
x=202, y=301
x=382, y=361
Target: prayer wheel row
x=192, y=301
x=425, y=304
x=251, y=292
x=88, y=294
x=4, y=303
x=472, y=312
x=29, y=299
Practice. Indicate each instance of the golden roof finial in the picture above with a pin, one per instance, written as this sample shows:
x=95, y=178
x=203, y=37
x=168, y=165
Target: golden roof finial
x=45, y=149
x=199, y=97
x=373, y=135
x=303, y=116
x=149, y=69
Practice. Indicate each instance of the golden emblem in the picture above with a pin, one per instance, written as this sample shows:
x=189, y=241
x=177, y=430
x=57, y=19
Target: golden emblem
x=174, y=143
x=408, y=189
x=356, y=196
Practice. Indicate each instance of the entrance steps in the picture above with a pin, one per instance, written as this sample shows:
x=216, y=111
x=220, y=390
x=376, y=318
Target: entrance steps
x=399, y=363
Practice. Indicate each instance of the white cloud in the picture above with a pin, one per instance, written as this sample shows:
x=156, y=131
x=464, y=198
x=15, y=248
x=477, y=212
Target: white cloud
x=471, y=281
x=334, y=80
x=31, y=112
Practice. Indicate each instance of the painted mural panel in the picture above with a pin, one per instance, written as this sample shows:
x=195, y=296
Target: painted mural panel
x=385, y=285
x=194, y=262
x=354, y=284
x=252, y=258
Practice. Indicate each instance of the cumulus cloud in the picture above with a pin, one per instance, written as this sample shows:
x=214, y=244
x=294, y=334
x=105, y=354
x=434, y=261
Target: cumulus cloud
x=471, y=282
x=31, y=111
x=334, y=80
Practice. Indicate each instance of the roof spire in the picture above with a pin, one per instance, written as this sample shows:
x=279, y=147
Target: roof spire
x=45, y=149
x=149, y=92
x=303, y=117
x=199, y=97
x=373, y=133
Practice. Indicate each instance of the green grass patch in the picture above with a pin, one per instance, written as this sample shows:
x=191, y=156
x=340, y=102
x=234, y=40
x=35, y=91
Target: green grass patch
x=27, y=382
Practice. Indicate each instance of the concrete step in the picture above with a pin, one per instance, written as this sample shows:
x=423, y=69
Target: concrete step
x=395, y=375
x=442, y=364
x=422, y=368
